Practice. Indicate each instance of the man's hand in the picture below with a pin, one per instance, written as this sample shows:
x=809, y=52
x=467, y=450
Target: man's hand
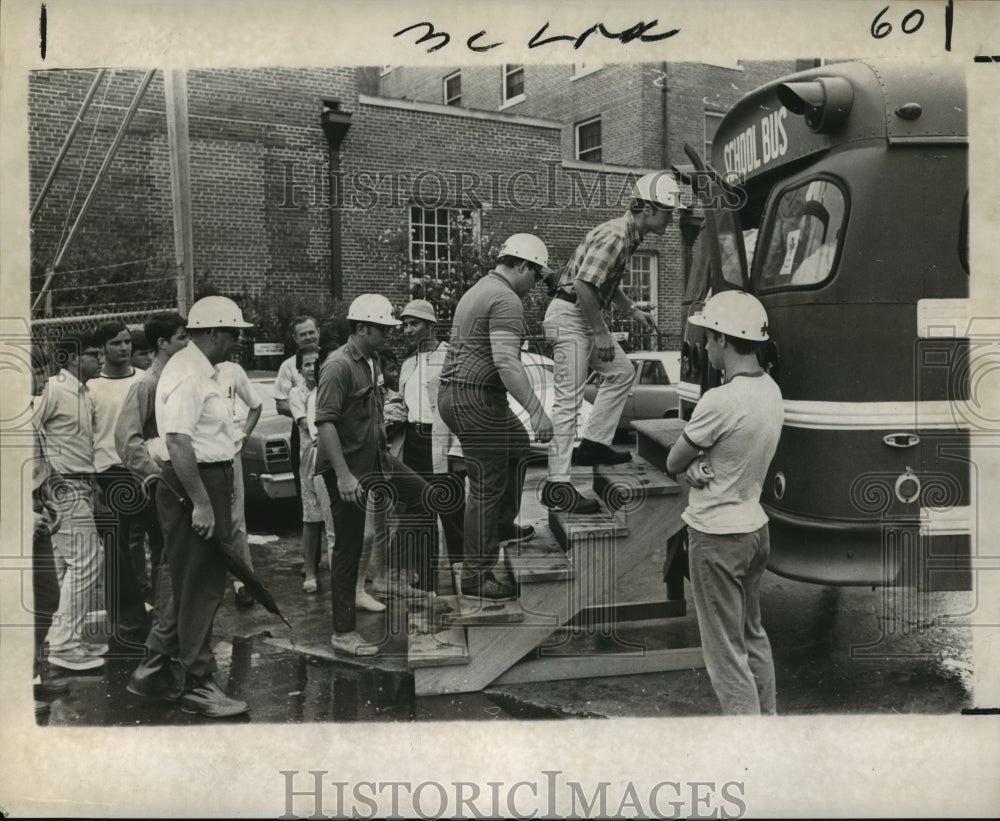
x=699, y=473
x=203, y=520
x=646, y=318
x=542, y=426
x=604, y=343
x=350, y=488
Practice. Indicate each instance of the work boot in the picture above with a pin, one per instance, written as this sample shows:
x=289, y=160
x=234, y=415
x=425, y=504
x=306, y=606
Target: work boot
x=155, y=678
x=48, y=686
x=563, y=496
x=590, y=452
x=202, y=696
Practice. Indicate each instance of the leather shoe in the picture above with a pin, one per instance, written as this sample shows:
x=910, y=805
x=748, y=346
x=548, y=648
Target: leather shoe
x=47, y=687
x=590, y=452
x=155, y=678
x=243, y=597
x=519, y=533
x=352, y=644
x=205, y=698
x=488, y=588
x=564, y=497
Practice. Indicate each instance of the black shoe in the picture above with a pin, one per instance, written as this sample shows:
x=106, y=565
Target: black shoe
x=48, y=687
x=564, y=497
x=205, y=698
x=243, y=597
x=155, y=678
x=488, y=589
x=520, y=533
x=594, y=453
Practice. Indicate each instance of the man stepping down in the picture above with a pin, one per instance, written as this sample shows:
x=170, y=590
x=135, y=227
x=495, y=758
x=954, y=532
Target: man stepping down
x=574, y=324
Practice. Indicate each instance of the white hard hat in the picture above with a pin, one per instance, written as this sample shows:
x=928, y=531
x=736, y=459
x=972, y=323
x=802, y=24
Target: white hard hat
x=374, y=309
x=527, y=247
x=216, y=312
x=660, y=188
x=734, y=313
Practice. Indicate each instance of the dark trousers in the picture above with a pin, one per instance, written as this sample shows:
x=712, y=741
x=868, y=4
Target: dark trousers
x=125, y=508
x=182, y=627
x=445, y=499
x=401, y=486
x=45, y=589
x=495, y=448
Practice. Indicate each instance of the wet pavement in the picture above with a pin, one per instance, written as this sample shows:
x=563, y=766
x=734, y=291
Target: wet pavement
x=836, y=650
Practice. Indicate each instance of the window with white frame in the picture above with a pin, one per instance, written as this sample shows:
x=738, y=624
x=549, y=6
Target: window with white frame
x=437, y=236
x=513, y=81
x=453, y=89
x=712, y=120
x=588, y=140
x=640, y=282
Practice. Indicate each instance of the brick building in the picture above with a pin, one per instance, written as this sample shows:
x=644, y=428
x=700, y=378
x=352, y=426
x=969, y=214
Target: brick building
x=552, y=150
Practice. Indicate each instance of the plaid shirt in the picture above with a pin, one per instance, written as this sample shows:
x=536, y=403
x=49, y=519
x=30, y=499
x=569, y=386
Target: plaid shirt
x=602, y=259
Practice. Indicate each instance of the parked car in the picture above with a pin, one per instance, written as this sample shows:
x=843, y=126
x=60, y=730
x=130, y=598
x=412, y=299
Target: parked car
x=267, y=466
x=267, y=453
x=654, y=387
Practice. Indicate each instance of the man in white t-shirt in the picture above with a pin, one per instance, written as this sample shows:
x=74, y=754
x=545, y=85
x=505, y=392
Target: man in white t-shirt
x=121, y=512
x=724, y=453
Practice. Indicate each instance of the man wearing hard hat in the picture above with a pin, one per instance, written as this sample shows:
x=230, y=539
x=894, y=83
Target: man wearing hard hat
x=724, y=453
x=194, y=499
x=353, y=458
x=575, y=325
x=483, y=364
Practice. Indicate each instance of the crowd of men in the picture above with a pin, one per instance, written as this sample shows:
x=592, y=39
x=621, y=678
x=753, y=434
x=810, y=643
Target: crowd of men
x=462, y=460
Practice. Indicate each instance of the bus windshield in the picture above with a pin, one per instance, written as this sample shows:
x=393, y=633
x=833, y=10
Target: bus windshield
x=805, y=228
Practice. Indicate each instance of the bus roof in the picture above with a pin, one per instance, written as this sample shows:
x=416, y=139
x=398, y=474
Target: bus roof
x=896, y=101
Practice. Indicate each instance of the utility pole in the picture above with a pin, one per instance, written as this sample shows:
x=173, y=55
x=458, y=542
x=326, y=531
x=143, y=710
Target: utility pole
x=175, y=93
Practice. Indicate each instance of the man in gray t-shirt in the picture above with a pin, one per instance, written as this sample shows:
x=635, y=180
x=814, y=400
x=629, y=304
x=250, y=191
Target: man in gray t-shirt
x=724, y=452
x=484, y=363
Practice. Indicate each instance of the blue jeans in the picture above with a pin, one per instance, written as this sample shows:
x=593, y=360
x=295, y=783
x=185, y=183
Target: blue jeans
x=725, y=580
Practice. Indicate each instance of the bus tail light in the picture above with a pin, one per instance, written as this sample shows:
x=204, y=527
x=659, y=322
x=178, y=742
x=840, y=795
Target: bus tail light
x=907, y=486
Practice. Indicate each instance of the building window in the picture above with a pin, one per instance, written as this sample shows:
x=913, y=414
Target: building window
x=438, y=235
x=588, y=140
x=513, y=82
x=453, y=89
x=712, y=120
x=640, y=282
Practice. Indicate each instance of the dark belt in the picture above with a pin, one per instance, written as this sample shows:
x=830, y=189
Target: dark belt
x=565, y=296
x=423, y=428
x=227, y=463
x=454, y=383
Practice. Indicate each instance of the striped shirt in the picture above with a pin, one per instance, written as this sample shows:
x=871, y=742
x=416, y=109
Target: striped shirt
x=602, y=259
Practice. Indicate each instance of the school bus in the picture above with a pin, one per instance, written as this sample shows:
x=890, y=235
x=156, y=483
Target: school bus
x=839, y=197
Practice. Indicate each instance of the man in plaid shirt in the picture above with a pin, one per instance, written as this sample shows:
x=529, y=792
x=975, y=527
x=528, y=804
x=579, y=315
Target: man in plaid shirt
x=574, y=324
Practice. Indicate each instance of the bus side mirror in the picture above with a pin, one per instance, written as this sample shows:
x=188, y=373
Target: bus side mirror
x=825, y=103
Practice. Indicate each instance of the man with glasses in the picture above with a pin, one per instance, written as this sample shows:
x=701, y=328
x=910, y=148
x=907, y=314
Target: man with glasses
x=194, y=495
x=574, y=324
x=482, y=365
x=66, y=425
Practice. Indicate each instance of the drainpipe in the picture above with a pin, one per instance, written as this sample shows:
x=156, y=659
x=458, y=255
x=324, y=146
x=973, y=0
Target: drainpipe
x=336, y=124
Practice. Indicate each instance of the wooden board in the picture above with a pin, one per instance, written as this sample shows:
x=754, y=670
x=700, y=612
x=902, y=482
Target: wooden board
x=598, y=665
x=540, y=560
x=437, y=647
x=625, y=486
x=569, y=528
x=655, y=437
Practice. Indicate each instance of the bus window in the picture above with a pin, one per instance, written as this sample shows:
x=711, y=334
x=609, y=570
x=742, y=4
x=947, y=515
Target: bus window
x=731, y=248
x=807, y=226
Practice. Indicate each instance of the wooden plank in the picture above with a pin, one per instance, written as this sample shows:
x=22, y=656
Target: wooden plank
x=540, y=560
x=628, y=485
x=474, y=610
x=655, y=437
x=573, y=527
x=630, y=611
x=436, y=647
x=597, y=563
x=556, y=668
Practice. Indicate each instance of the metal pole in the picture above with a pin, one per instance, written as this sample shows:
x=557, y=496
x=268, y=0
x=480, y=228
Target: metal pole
x=175, y=91
x=146, y=80
x=68, y=141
